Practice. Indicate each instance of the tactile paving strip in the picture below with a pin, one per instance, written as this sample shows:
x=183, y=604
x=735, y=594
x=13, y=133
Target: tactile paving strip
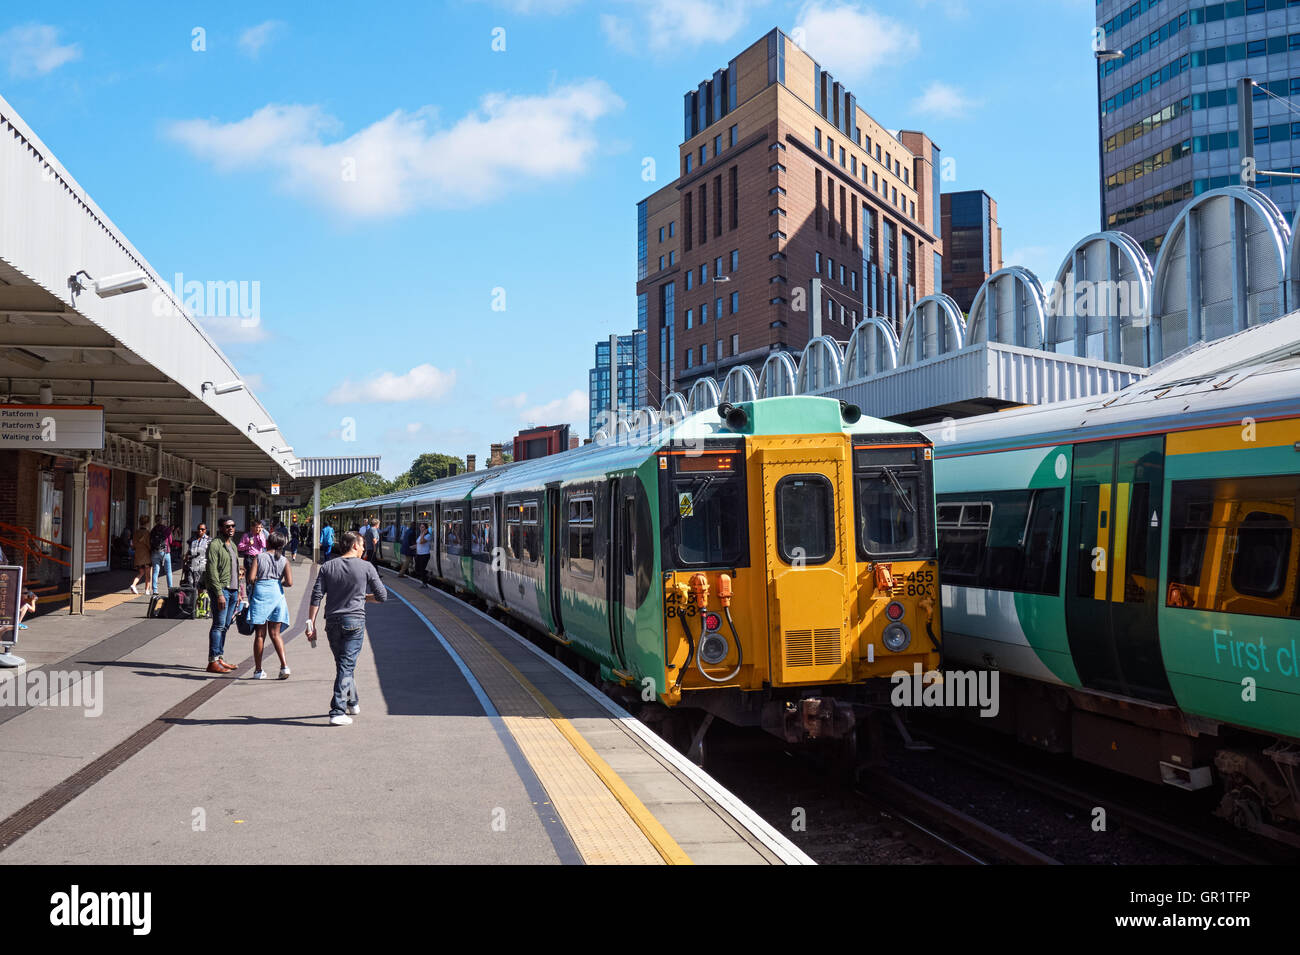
x=601, y=828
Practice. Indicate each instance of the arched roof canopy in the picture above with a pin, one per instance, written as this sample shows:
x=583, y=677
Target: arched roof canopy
x=740, y=385
x=1222, y=268
x=933, y=327
x=1100, y=303
x=1010, y=308
x=778, y=375
x=705, y=394
x=821, y=366
x=872, y=348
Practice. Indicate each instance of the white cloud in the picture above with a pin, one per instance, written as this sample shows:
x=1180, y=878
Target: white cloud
x=253, y=39
x=34, y=50
x=573, y=408
x=403, y=161
x=232, y=329
x=421, y=382
x=852, y=40
x=944, y=101
x=512, y=401
x=668, y=25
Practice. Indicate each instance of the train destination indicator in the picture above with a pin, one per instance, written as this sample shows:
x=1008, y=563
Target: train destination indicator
x=705, y=462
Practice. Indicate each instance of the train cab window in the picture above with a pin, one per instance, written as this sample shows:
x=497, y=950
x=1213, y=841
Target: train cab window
x=1234, y=546
x=705, y=504
x=1263, y=545
x=805, y=519
x=887, y=512
x=580, y=518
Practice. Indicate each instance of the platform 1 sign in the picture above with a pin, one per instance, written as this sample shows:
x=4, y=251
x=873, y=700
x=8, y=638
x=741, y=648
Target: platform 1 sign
x=11, y=593
x=52, y=427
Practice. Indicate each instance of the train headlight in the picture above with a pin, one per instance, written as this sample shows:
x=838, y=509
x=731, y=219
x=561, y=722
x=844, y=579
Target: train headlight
x=896, y=638
x=894, y=611
x=713, y=648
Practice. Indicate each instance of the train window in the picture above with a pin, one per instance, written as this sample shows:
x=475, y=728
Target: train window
x=1233, y=545
x=514, y=530
x=1263, y=546
x=805, y=519
x=887, y=512
x=710, y=515
x=481, y=541
x=532, y=533
x=453, y=521
x=580, y=516
x=523, y=532
x=1010, y=541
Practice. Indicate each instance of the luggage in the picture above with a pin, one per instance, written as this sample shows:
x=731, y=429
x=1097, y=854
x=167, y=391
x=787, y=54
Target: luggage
x=203, y=605
x=157, y=606
x=180, y=603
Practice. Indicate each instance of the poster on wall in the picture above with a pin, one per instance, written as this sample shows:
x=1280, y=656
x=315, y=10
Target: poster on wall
x=98, y=484
x=56, y=517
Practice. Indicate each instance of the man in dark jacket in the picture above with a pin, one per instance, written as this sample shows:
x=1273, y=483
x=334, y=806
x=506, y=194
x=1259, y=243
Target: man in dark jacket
x=225, y=585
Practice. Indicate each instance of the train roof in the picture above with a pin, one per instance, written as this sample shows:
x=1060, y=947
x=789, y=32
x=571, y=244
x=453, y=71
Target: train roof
x=796, y=414
x=1255, y=374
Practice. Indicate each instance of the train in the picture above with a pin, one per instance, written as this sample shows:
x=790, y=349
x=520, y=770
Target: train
x=1130, y=565
x=770, y=563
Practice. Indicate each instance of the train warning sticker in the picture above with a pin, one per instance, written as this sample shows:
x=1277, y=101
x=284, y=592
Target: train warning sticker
x=686, y=504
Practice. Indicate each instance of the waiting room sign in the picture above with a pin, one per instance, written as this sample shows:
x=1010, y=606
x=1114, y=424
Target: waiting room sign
x=52, y=427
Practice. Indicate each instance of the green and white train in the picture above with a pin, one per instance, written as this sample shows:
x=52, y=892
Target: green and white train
x=1130, y=565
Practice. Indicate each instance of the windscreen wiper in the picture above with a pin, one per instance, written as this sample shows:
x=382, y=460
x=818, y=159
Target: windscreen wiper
x=700, y=496
x=898, y=489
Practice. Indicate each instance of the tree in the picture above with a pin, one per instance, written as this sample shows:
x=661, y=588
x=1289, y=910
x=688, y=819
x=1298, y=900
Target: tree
x=430, y=466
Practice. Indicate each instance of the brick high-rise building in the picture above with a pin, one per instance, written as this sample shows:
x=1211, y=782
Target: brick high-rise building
x=972, y=243
x=783, y=178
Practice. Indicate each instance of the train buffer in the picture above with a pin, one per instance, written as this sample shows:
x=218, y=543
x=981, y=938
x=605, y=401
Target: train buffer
x=472, y=746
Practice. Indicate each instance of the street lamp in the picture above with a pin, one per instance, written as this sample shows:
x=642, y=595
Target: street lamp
x=1102, y=56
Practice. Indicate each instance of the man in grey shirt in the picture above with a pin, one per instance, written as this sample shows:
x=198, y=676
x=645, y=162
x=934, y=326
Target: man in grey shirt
x=349, y=583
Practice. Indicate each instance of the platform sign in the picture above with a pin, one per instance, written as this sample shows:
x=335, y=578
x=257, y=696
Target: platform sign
x=275, y=489
x=11, y=595
x=52, y=427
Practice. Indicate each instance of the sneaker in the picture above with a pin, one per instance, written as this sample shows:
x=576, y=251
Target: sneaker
x=354, y=709
x=284, y=673
x=340, y=720
x=135, y=590
x=259, y=675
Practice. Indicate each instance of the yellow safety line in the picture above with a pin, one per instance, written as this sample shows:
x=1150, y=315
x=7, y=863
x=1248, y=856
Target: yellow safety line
x=645, y=820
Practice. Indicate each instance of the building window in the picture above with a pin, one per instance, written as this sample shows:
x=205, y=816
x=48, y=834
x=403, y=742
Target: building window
x=780, y=146
x=853, y=165
x=704, y=213
x=734, y=176
x=672, y=228
x=704, y=273
x=842, y=282
x=868, y=145
x=830, y=147
x=776, y=191
x=888, y=161
x=830, y=267
x=690, y=318
x=731, y=135
x=905, y=177
x=717, y=266
x=686, y=220
x=777, y=257
x=661, y=233
x=842, y=156
x=690, y=276
x=704, y=152
x=776, y=167
x=717, y=205
x=661, y=263
x=853, y=280
x=818, y=270
x=778, y=211
x=735, y=344
x=735, y=302
x=717, y=145
x=895, y=198
x=690, y=358
x=913, y=211
x=778, y=235
x=672, y=259
x=817, y=139
x=875, y=183
x=704, y=314
x=688, y=164
x=735, y=260
x=776, y=301
x=717, y=308
x=777, y=278
x=704, y=354
x=877, y=152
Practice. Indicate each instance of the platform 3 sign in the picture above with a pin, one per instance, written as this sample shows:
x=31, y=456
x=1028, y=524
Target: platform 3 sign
x=52, y=427
x=11, y=593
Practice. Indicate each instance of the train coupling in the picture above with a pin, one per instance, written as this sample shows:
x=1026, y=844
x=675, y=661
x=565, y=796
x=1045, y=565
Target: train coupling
x=813, y=717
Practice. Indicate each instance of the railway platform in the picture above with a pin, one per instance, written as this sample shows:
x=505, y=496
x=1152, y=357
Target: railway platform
x=472, y=746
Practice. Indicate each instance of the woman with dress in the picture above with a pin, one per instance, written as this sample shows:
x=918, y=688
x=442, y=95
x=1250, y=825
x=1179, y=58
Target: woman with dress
x=268, y=611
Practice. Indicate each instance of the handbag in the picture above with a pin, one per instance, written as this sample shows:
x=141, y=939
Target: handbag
x=241, y=622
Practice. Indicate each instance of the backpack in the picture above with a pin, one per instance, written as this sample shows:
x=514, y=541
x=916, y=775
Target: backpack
x=158, y=537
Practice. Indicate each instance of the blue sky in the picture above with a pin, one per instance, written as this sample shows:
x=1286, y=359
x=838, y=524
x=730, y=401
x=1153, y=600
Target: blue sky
x=386, y=177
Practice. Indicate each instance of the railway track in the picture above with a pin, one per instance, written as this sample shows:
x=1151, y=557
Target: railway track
x=1184, y=835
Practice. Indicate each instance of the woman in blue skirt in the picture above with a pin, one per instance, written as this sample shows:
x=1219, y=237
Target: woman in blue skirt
x=268, y=611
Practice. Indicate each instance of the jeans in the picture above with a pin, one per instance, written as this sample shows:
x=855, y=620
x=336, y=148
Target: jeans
x=345, y=634
x=221, y=620
x=161, y=558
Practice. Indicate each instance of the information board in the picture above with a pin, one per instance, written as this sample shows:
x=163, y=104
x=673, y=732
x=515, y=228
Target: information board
x=11, y=595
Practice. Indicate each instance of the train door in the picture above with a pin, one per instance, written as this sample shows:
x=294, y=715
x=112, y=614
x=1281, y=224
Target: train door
x=1113, y=580
x=809, y=562
x=496, y=555
x=619, y=597
x=552, y=552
